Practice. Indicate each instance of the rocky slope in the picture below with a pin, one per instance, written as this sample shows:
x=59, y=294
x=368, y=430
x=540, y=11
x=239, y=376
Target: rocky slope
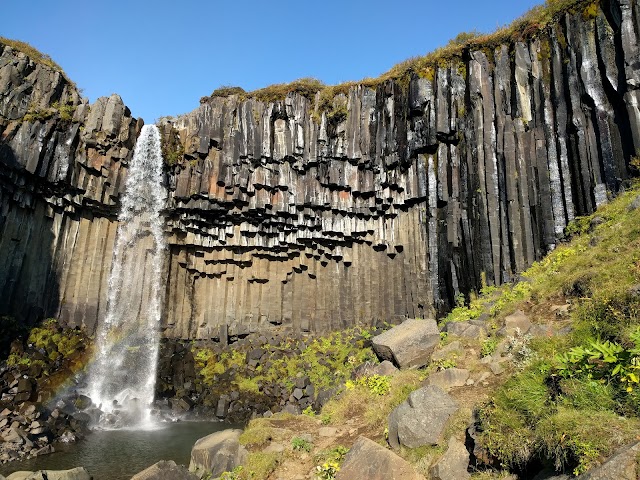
x=383, y=203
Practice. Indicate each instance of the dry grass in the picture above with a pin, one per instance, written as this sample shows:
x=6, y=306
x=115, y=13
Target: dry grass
x=531, y=25
x=35, y=55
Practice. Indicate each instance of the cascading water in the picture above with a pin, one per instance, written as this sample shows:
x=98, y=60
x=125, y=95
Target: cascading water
x=122, y=379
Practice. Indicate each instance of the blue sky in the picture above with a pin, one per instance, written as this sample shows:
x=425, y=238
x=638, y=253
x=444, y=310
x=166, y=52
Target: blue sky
x=162, y=56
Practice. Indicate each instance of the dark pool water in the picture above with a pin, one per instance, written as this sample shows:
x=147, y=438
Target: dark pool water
x=120, y=454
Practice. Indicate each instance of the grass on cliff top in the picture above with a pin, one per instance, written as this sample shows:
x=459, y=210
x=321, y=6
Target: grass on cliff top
x=35, y=55
x=529, y=26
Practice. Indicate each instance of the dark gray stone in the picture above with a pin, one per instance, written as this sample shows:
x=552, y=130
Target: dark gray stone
x=421, y=419
x=454, y=464
x=409, y=344
x=217, y=453
x=367, y=460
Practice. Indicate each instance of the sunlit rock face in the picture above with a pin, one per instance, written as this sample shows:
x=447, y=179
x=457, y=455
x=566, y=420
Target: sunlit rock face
x=386, y=205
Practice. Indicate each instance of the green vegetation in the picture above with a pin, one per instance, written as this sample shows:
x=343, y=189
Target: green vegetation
x=371, y=407
x=171, y=146
x=307, y=87
x=376, y=384
x=576, y=398
x=330, y=462
x=55, y=340
x=63, y=112
x=327, y=360
x=605, y=361
x=489, y=346
x=258, y=465
x=300, y=444
x=50, y=354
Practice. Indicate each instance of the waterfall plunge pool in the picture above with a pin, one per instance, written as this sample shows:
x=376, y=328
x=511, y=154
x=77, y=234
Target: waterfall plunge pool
x=120, y=454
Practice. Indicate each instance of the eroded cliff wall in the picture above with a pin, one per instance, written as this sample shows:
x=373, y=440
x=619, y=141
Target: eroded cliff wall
x=386, y=204
x=61, y=167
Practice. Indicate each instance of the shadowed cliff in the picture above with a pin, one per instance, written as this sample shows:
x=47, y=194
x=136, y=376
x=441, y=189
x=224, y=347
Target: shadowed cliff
x=382, y=201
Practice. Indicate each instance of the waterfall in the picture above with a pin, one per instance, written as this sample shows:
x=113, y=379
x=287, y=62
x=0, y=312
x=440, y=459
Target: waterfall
x=122, y=378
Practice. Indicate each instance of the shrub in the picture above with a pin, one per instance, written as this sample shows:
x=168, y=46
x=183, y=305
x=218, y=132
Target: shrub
x=227, y=91
x=376, y=384
x=604, y=360
x=489, y=346
x=300, y=444
x=331, y=461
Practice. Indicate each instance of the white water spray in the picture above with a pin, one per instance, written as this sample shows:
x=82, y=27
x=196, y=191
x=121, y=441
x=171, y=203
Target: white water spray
x=122, y=379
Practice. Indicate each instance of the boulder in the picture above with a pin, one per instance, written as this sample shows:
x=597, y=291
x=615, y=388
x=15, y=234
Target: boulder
x=474, y=331
x=409, y=344
x=421, y=419
x=516, y=322
x=453, y=464
x=449, y=378
x=623, y=465
x=217, y=453
x=369, y=461
x=164, y=470
x=14, y=435
x=77, y=473
x=456, y=328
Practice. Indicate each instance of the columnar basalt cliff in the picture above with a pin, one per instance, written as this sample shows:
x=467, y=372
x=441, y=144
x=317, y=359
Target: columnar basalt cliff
x=386, y=204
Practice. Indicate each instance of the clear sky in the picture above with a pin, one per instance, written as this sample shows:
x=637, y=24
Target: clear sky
x=162, y=56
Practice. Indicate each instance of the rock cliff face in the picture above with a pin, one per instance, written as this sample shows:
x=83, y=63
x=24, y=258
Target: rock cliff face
x=385, y=205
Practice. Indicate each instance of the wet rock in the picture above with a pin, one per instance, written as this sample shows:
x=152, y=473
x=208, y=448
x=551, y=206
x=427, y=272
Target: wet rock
x=223, y=406
x=367, y=460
